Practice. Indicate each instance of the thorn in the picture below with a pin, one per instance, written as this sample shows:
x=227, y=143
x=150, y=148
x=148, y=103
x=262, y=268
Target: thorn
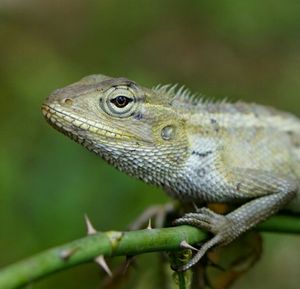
x=90, y=229
x=65, y=254
x=102, y=263
x=129, y=260
x=185, y=245
x=149, y=227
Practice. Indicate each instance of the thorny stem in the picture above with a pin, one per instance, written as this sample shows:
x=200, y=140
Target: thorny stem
x=181, y=280
x=117, y=244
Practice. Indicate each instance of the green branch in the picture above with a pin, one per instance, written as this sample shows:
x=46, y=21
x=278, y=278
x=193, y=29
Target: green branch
x=116, y=244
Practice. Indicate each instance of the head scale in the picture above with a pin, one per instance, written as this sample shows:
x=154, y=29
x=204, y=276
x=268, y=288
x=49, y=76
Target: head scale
x=134, y=128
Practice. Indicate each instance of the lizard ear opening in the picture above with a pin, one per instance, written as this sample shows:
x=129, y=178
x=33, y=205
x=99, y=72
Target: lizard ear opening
x=168, y=132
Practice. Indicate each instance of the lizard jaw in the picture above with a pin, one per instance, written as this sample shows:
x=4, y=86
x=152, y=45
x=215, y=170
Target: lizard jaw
x=73, y=125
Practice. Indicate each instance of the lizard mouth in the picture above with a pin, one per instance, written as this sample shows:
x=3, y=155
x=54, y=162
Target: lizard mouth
x=76, y=127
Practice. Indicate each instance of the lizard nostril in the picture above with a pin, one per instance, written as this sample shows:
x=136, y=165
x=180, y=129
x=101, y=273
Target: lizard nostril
x=67, y=101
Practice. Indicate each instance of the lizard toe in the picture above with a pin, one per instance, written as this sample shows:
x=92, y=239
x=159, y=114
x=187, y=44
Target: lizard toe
x=201, y=224
x=221, y=226
x=201, y=252
x=206, y=219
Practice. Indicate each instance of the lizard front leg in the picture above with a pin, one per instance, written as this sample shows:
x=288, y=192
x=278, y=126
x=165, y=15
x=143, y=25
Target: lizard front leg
x=267, y=193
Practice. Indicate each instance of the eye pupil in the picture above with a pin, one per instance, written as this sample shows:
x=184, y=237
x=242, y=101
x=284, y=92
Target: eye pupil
x=121, y=101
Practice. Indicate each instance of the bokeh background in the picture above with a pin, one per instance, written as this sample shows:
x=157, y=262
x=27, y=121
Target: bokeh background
x=247, y=50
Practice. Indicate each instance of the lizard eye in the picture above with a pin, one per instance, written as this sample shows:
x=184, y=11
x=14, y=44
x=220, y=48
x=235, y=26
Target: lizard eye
x=121, y=101
x=118, y=101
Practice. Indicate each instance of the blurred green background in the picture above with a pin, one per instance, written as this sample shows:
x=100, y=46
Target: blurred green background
x=247, y=50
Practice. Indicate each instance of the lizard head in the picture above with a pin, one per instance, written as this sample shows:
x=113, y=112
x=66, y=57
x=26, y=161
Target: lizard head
x=134, y=128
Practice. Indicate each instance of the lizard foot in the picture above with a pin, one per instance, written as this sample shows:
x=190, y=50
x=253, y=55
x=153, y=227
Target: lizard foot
x=219, y=225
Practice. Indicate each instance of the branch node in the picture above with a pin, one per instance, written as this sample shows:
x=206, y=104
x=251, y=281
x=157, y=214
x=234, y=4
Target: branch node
x=114, y=238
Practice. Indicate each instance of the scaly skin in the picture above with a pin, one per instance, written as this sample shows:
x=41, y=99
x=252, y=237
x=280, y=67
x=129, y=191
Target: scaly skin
x=195, y=150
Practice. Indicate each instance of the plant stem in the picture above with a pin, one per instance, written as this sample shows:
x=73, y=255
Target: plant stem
x=181, y=280
x=114, y=243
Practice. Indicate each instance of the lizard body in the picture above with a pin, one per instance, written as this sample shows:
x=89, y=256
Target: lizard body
x=195, y=150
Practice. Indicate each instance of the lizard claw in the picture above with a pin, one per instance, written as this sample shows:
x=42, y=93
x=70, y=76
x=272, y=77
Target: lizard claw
x=205, y=247
x=215, y=223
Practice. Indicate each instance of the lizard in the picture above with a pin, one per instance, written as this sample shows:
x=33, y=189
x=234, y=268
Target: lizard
x=195, y=150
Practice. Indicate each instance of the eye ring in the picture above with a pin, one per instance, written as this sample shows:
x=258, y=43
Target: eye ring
x=121, y=101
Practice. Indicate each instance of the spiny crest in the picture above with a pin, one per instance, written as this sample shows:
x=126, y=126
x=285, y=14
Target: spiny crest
x=181, y=97
x=173, y=92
